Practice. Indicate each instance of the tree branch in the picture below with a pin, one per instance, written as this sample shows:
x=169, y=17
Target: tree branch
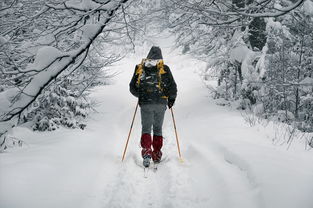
x=18, y=108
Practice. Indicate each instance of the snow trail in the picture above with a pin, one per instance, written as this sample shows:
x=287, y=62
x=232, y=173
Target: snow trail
x=226, y=163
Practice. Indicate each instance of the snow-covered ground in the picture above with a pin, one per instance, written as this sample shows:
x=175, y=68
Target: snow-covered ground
x=227, y=164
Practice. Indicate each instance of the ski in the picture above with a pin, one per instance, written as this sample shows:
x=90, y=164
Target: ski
x=146, y=164
x=145, y=172
x=155, y=167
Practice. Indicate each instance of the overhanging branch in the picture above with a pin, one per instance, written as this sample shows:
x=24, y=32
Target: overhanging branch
x=17, y=110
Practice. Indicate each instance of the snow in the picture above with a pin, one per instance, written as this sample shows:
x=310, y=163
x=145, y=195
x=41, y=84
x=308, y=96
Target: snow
x=3, y=40
x=242, y=54
x=49, y=65
x=261, y=64
x=308, y=7
x=307, y=84
x=45, y=56
x=239, y=53
x=87, y=5
x=89, y=30
x=307, y=81
x=249, y=71
x=280, y=9
x=49, y=62
x=46, y=39
x=40, y=79
x=285, y=116
x=5, y=98
x=252, y=62
x=82, y=4
x=226, y=162
x=271, y=24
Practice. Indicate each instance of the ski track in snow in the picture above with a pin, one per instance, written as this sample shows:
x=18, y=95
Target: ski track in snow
x=86, y=166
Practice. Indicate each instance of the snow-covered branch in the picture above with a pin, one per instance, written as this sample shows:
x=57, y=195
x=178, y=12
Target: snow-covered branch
x=8, y=7
x=83, y=6
x=221, y=12
x=274, y=12
x=49, y=69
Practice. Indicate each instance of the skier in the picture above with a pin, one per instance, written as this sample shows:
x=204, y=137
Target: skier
x=155, y=88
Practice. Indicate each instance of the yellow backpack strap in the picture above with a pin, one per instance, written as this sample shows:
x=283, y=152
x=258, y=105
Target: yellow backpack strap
x=139, y=71
x=160, y=66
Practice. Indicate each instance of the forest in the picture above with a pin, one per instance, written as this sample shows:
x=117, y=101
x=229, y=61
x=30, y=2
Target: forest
x=260, y=52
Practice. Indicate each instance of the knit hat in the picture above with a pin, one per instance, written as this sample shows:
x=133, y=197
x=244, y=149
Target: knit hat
x=155, y=53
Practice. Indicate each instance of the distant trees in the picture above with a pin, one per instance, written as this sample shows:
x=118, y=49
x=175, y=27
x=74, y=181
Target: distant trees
x=259, y=51
x=290, y=67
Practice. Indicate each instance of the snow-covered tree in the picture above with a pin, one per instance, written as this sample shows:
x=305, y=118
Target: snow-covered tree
x=57, y=49
x=259, y=50
x=289, y=67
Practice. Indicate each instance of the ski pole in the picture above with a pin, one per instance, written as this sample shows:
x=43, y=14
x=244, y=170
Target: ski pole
x=131, y=127
x=177, y=141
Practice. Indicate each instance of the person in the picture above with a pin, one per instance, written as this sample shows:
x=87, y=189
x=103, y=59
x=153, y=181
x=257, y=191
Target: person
x=155, y=87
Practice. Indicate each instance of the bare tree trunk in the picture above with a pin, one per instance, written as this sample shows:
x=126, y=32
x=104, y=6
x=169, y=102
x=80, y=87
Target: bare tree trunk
x=235, y=81
x=298, y=78
x=284, y=80
x=239, y=72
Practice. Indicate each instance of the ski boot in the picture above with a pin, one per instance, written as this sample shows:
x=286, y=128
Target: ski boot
x=146, y=161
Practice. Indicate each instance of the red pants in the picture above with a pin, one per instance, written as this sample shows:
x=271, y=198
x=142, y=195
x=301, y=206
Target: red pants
x=157, y=144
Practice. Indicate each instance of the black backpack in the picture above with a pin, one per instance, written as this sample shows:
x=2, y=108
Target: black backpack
x=149, y=79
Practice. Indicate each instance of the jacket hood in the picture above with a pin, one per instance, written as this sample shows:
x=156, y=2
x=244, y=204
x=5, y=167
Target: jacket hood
x=155, y=53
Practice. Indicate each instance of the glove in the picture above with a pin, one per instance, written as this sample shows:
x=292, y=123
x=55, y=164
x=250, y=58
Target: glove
x=170, y=103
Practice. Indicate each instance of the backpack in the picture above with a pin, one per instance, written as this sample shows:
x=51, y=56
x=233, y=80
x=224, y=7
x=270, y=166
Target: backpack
x=151, y=81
